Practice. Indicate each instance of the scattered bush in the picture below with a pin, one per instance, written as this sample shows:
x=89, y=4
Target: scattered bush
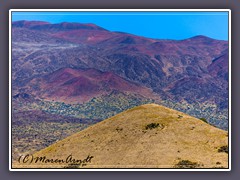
x=72, y=166
x=203, y=119
x=179, y=116
x=152, y=125
x=119, y=129
x=186, y=164
x=223, y=149
x=219, y=167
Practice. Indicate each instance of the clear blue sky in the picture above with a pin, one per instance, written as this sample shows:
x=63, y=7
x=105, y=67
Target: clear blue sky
x=160, y=25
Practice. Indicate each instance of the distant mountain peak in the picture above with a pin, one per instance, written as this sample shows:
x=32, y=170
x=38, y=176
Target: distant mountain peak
x=28, y=24
x=201, y=38
x=63, y=26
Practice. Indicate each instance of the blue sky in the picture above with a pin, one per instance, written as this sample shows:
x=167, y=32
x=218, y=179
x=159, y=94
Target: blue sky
x=159, y=25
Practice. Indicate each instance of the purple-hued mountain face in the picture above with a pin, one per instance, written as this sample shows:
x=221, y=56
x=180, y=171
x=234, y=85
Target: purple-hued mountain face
x=193, y=70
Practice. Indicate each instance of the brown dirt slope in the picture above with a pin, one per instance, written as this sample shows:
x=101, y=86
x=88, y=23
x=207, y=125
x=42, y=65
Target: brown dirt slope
x=147, y=136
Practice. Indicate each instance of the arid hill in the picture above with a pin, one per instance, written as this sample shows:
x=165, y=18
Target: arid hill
x=147, y=136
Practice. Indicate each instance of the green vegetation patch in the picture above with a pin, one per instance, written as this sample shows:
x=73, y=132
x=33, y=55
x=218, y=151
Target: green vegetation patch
x=223, y=149
x=180, y=116
x=152, y=125
x=186, y=164
x=119, y=129
x=72, y=166
x=203, y=119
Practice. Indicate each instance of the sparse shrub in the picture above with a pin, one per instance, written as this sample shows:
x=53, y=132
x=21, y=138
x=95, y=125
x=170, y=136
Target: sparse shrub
x=152, y=126
x=219, y=167
x=119, y=129
x=72, y=166
x=203, y=119
x=186, y=164
x=223, y=149
x=179, y=116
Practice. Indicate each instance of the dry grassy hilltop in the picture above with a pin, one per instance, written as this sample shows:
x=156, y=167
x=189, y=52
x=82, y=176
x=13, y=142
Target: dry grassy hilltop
x=147, y=136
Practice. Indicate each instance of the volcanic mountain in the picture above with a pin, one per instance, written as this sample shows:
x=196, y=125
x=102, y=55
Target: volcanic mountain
x=193, y=70
x=147, y=136
x=72, y=32
x=77, y=85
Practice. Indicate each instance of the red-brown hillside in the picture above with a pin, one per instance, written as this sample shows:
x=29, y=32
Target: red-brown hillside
x=77, y=85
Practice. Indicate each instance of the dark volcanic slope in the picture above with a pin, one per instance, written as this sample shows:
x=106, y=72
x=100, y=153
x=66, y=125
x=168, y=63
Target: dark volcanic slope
x=194, y=69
